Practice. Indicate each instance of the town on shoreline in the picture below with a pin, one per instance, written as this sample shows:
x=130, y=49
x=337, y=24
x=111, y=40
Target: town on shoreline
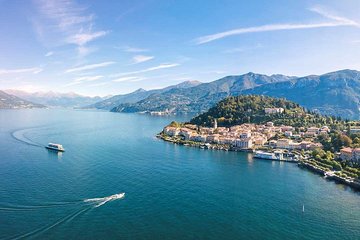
x=271, y=142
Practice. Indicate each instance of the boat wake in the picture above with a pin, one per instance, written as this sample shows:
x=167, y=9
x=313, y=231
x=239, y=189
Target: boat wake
x=20, y=136
x=103, y=200
x=86, y=205
x=11, y=207
x=41, y=230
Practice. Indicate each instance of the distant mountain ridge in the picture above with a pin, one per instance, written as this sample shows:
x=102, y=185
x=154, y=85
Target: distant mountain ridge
x=8, y=101
x=55, y=99
x=201, y=97
x=335, y=93
x=138, y=95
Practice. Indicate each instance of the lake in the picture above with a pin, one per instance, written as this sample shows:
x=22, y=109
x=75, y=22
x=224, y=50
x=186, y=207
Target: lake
x=172, y=191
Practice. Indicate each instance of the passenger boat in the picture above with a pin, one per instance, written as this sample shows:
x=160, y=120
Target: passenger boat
x=266, y=155
x=55, y=147
x=274, y=156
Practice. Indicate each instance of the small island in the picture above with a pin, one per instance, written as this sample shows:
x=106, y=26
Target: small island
x=276, y=129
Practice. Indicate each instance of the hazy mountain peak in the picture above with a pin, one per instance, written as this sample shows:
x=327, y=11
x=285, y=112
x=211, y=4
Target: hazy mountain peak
x=139, y=90
x=54, y=99
x=9, y=101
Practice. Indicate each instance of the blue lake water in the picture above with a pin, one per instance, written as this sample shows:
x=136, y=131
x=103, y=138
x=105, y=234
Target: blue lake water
x=172, y=192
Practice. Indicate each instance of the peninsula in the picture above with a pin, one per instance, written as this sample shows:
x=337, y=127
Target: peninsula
x=276, y=129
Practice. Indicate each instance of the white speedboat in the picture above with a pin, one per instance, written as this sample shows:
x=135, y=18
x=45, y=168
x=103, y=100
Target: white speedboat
x=115, y=196
x=55, y=147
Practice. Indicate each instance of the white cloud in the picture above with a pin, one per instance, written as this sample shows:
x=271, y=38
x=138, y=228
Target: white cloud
x=134, y=50
x=34, y=70
x=88, y=67
x=324, y=13
x=141, y=58
x=67, y=21
x=65, y=13
x=88, y=78
x=28, y=87
x=83, y=79
x=243, y=49
x=83, y=51
x=48, y=54
x=337, y=22
x=161, y=66
x=98, y=84
x=83, y=38
x=130, y=79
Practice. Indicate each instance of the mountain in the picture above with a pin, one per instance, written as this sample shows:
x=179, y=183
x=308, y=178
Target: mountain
x=8, y=101
x=336, y=93
x=138, y=95
x=201, y=97
x=55, y=99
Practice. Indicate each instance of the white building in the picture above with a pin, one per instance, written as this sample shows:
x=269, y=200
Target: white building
x=273, y=110
x=243, y=143
x=171, y=131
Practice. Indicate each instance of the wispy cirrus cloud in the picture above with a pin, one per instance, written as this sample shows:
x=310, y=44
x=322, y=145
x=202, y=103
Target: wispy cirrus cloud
x=129, y=79
x=161, y=66
x=243, y=49
x=48, y=54
x=88, y=78
x=88, y=67
x=83, y=38
x=98, y=84
x=83, y=79
x=67, y=18
x=134, y=49
x=141, y=58
x=336, y=21
x=34, y=70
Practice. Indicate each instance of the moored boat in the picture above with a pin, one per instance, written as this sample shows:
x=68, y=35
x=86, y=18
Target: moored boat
x=274, y=156
x=266, y=155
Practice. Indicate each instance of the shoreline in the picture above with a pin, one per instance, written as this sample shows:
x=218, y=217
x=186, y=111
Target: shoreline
x=303, y=164
x=330, y=175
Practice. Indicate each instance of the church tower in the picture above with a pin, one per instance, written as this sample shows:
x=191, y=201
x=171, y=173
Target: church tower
x=215, y=124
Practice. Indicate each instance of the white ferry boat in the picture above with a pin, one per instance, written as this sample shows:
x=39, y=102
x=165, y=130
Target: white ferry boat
x=275, y=156
x=267, y=155
x=56, y=147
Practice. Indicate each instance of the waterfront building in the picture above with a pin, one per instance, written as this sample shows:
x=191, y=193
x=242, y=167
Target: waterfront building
x=283, y=143
x=259, y=141
x=171, y=131
x=213, y=138
x=350, y=154
x=243, y=143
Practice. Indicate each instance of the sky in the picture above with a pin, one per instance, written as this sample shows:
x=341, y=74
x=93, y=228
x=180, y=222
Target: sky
x=104, y=48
